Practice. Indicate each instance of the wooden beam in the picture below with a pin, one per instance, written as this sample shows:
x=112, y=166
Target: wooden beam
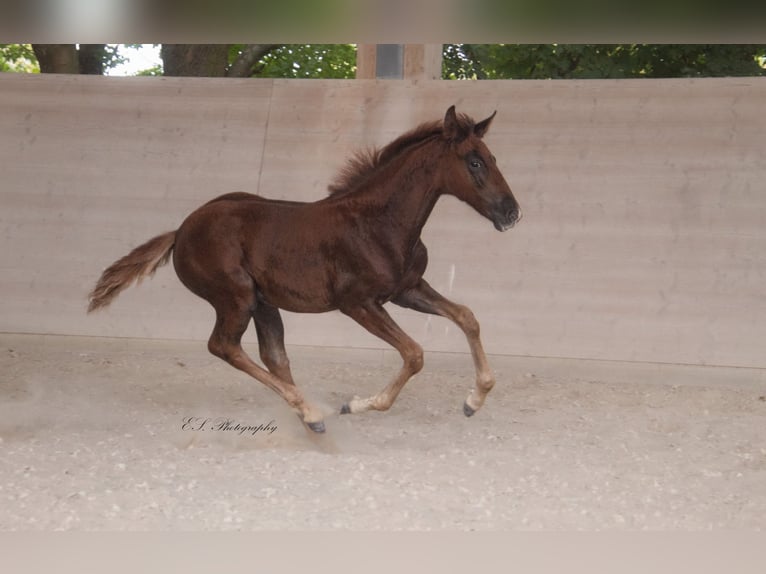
x=420, y=62
x=365, y=61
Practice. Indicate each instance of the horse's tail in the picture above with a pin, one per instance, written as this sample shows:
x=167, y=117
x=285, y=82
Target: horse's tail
x=142, y=262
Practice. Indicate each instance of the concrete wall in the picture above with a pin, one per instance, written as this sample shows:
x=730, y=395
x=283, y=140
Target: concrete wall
x=644, y=231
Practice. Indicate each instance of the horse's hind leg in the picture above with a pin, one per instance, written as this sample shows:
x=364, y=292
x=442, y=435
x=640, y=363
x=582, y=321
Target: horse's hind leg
x=425, y=299
x=233, y=315
x=271, y=340
x=375, y=319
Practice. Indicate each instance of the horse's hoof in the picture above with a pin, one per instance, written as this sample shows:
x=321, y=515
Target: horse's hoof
x=317, y=427
x=345, y=409
x=468, y=410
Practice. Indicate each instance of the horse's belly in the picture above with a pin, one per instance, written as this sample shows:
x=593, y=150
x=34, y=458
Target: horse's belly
x=297, y=302
x=295, y=290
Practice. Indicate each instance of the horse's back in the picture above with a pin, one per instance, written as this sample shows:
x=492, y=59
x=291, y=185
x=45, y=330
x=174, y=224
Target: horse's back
x=240, y=235
x=234, y=196
x=244, y=197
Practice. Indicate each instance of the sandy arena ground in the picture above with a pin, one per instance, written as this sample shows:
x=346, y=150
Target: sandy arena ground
x=92, y=437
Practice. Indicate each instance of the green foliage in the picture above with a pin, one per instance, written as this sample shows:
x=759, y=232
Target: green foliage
x=484, y=61
x=18, y=58
x=585, y=61
x=153, y=71
x=330, y=61
x=111, y=56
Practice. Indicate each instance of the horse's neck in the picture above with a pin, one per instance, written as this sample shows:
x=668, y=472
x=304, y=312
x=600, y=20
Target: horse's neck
x=404, y=193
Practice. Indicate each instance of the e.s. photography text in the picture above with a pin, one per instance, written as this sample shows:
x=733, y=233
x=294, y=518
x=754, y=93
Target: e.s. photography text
x=224, y=424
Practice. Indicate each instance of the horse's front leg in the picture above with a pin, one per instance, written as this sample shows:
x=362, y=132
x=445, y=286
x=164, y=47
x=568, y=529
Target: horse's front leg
x=378, y=322
x=425, y=299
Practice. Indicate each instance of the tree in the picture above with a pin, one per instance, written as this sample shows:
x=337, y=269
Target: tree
x=245, y=58
x=583, y=61
x=260, y=60
x=178, y=59
x=76, y=59
x=331, y=61
x=195, y=59
x=479, y=61
x=18, y=58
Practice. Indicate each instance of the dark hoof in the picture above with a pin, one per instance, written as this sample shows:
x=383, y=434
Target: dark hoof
x=317, y=427
x=345, y=409
x=467, y=410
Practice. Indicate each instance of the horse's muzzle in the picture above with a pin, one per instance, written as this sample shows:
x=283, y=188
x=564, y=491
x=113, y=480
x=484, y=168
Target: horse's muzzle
x=506, y=215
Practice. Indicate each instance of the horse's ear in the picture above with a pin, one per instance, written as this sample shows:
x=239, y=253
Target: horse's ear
x=483, y=126
x=451, y=129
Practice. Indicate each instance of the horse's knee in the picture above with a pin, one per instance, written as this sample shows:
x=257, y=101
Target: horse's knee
x=413, y=359
x=215, y=348
x=222, y=349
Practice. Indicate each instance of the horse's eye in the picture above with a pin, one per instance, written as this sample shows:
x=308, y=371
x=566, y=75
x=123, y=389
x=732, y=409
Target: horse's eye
x=475, y=163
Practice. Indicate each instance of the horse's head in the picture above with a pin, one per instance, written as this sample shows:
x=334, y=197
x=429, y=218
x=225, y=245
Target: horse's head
x=473, y=176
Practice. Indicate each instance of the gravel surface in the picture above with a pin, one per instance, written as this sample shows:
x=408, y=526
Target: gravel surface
x=107, y=434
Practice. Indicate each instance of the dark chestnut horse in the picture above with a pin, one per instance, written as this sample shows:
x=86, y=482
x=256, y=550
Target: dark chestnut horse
x=353, y=251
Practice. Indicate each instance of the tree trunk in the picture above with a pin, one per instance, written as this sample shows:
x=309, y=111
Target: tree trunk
x=57, y=58
x=208, y=60
x=91, y=58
